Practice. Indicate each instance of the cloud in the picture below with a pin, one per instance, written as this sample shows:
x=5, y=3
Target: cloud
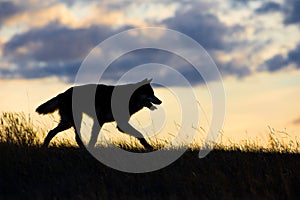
x=135, y=58
x=213, y=35
x=276, y=63
x=55, y=43
x=289, y=8
x=233, y=69
x=279, y=62
x=291, y=11
x=204, y=28
x=239, y=3
x=54, y=50
x=293, y=56
x=65, y=71
x=268, y=7
x=50, y=51
x=8, y=9
x=80, y=14
x=33, y=16
x=54, y=13
x=66, y=31
x=58, y=48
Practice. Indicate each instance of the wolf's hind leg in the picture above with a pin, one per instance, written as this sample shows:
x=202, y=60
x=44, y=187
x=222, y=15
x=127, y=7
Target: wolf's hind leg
x=94, y=135
x=78, y=140
x=60, y=127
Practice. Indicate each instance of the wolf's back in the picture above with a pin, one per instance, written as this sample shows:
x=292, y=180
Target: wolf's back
x=49, y=106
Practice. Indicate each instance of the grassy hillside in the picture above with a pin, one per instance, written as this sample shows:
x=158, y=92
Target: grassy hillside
x=28, y=171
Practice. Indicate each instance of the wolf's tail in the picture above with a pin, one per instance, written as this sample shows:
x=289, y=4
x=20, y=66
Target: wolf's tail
x=49, y=107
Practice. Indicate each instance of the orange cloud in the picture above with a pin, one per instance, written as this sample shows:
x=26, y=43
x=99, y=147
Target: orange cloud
x=87, y=14
x=101, y=15
x=91, y=15
x=41, y=17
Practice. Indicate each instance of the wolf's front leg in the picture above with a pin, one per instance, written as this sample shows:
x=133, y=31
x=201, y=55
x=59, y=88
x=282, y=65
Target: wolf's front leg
x=146, y=145
x=129, y=129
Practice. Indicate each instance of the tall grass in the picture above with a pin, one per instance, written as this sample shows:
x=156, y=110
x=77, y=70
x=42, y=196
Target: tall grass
x=278, y=141
x=20, y=130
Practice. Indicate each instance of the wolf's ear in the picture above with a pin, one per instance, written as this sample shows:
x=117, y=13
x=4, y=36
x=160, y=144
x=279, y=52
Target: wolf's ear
x=146, y=81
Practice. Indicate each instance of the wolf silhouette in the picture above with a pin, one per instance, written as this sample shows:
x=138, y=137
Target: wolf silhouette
x=105, y=103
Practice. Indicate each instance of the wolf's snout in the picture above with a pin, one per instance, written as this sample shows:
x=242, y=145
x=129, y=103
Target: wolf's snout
x=155, y=100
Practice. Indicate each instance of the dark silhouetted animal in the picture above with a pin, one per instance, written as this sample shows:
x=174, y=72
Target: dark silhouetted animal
x=105, y=103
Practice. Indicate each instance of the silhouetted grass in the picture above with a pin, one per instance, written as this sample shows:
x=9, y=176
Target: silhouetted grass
x=60, y=172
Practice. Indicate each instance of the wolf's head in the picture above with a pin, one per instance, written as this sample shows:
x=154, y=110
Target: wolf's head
x=144, y=96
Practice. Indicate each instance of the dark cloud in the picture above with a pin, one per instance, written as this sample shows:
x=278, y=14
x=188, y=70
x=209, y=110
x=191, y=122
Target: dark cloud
x=8, y=9
x=206, y=29
x=291, y=11
x=210, y=32
x=268, y=7
x=139, y=57
x=279, y=62
x=145, y=56
x=276, y=63
x=66, y=71
x=53, y=50
x=293, y=56
x=55, y=43
x=289, y=8
x=231, y=68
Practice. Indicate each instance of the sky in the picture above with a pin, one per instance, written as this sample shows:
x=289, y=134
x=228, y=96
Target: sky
x=255, y=46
